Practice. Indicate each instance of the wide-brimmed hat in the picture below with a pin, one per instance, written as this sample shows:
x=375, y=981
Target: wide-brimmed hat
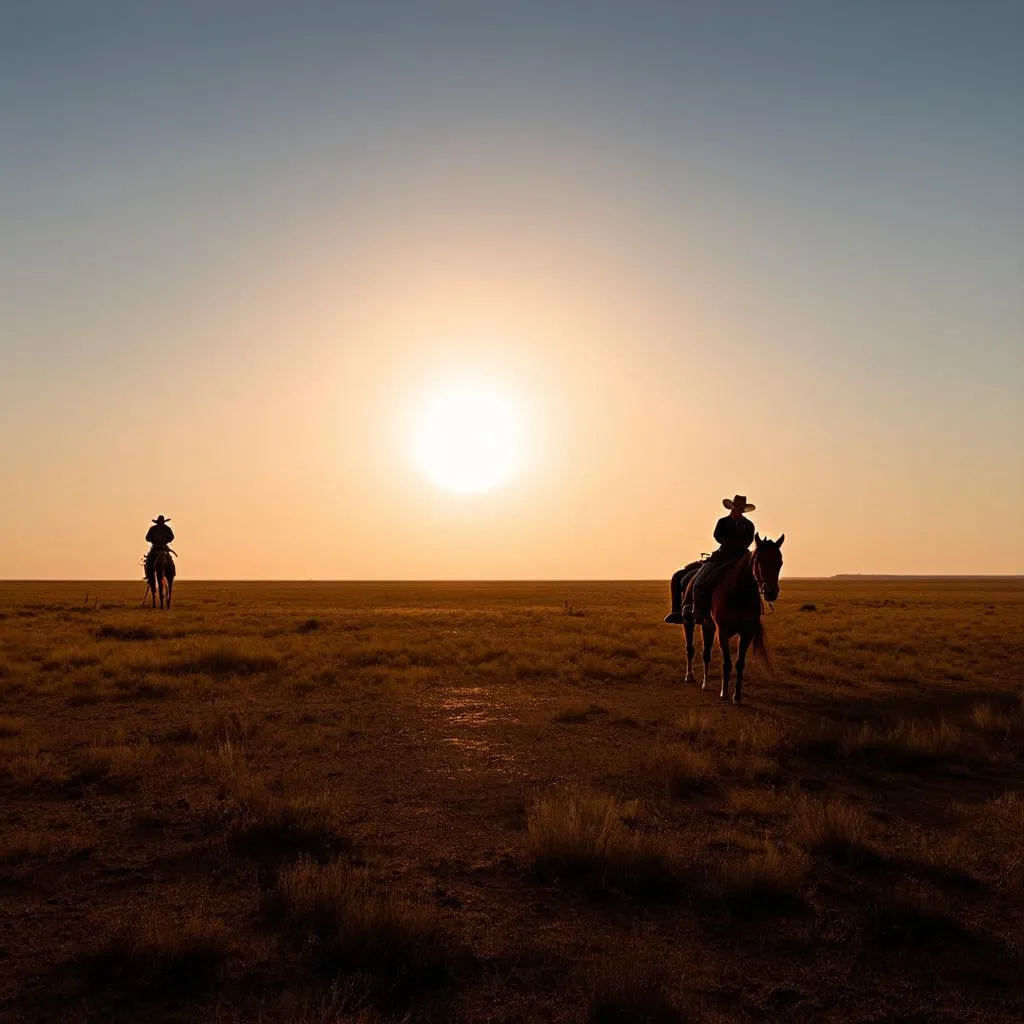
x=160, y=520
x=741, y=500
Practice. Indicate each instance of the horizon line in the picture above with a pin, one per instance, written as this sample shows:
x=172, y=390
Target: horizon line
x=842, y=576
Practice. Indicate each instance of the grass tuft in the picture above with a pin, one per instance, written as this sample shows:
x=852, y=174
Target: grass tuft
x=11, y=726
x=351, y=923
x=149, y=955
x=572, y=714
x=126, y=633
x=580, y=836
x=631, y=986
x=226, y=659
x=835, y=829
x=763, y=883
x=683, y=770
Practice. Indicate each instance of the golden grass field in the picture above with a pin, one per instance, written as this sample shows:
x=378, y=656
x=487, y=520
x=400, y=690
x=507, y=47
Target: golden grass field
x=499, y=802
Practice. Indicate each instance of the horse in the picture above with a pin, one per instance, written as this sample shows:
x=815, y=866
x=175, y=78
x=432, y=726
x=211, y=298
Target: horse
x=736, y=608
x=160, y=575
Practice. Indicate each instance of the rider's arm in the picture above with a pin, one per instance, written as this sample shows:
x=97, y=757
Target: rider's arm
x=722, y=532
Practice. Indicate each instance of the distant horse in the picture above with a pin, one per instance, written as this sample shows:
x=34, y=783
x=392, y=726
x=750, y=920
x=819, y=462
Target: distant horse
x=160, y=575
x=736, y=608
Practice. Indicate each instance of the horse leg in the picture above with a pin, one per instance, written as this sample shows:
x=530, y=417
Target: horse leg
x=170, y=587
x=707, y=633
x=741, y=658
x=723, y=643
x=688, y=630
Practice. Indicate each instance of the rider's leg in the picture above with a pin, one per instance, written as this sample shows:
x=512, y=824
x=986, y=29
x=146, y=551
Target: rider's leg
x=704, y=587
x=691, y=606
x=676, y=589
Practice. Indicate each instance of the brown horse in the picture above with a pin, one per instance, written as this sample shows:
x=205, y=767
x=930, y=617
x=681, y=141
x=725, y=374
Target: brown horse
x=736, y=608
x=160, y=575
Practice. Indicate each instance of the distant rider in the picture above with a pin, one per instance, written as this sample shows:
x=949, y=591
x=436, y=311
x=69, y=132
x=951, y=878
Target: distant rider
x=159, y=536
x=735, y=534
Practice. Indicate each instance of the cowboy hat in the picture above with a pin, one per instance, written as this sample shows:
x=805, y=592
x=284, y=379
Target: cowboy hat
x=160, y=520
x=741, y=500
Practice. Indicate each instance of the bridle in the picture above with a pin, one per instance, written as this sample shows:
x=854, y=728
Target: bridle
x=755, y=568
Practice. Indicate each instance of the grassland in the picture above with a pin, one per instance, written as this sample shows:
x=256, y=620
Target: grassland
x=405, y=802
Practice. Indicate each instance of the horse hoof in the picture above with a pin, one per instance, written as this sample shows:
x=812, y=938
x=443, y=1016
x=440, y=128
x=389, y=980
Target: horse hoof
x=723, y=696
x=689, y=679
x=737, y=699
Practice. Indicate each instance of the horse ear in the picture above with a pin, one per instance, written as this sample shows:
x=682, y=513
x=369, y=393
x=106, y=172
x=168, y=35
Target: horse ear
x=782, y=537
x=757, y=539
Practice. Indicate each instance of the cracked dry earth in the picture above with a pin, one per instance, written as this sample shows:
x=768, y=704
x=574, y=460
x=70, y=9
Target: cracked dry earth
x=432, y=719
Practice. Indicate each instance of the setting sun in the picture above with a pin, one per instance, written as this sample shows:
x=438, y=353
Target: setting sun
x=467, y=438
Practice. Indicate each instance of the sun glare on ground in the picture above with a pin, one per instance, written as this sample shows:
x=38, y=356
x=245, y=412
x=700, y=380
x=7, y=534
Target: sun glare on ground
x=467, y=438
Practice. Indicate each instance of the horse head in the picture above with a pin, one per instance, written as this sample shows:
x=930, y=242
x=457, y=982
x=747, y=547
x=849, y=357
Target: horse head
x=767, y=564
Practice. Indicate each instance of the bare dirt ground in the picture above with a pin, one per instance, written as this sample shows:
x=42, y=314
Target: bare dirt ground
x=499, y=802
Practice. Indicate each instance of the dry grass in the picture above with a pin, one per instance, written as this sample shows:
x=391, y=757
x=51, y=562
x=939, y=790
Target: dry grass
x=762, y=883
x=351, y=923
x=373, y=781
x=20, y=844
x=683, y=770
x=150, y=955
x=222, y=659
x=271, y=826
x=833, y=828
x=120, y=763
x=11, y=726
x=571, y=714
x=631, y=986
x=29, y=767
x=577, y=835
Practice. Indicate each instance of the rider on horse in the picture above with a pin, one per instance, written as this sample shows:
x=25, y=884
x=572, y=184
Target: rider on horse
x=734, y=534
x=159, y=536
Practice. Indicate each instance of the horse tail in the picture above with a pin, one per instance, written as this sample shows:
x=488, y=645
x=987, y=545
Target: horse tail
x=760, y=644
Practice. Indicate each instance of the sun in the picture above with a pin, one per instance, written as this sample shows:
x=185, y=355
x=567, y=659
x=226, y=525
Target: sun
x=467, y=437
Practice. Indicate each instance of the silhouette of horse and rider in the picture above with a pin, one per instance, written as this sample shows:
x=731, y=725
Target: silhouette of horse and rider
x=159, y=563
x=723, y=593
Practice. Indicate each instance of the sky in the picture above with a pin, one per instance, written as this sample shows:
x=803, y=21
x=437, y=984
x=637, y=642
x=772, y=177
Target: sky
x=773, y=248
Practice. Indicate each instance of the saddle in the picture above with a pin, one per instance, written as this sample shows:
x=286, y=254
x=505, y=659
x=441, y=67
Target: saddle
x=154, y=550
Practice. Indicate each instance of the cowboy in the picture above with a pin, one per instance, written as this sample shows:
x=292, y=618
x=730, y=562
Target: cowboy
x=734, y=534
x=160, y=534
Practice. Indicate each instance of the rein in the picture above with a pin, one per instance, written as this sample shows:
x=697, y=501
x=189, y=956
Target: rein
x=760, y=584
